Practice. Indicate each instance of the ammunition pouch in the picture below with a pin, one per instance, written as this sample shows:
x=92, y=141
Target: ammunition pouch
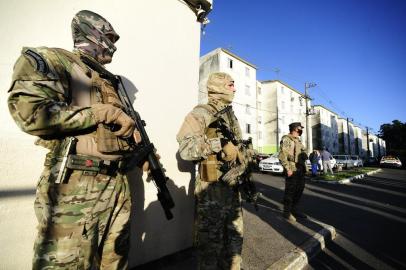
x=109, y=143
x=208, y=169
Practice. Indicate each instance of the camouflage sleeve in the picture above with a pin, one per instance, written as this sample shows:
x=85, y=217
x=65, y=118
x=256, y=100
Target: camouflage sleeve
x=193, y=143
x=284, y=152
x=38, y=102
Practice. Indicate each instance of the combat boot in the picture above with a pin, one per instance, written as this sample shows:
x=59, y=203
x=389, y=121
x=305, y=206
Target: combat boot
x=298, y=214
x=289, y=217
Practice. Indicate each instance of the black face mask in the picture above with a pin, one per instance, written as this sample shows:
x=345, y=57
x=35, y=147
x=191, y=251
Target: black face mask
x=300, y=132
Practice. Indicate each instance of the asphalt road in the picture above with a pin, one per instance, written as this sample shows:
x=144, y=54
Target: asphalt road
x=369, y=216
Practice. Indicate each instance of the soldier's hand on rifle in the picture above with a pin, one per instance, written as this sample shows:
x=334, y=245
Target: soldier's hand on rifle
x=137, y=136
x=145, y=165
x=109, y=114
x=230, y=152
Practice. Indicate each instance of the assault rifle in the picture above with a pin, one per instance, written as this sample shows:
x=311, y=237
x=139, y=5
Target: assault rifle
x=145, y=149
x=244, y=181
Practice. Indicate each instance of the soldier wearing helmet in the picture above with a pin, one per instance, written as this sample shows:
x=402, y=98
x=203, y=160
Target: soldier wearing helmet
x=219, y=224
x=66, y=100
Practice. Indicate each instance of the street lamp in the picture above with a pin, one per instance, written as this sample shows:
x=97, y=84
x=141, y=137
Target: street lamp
x=307, y=86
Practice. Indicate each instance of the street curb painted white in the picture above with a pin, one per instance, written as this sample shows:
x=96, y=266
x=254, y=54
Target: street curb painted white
x=299, y=257
x=347, y=180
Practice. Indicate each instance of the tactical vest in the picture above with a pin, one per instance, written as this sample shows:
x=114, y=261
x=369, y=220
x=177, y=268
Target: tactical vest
x=210, y=169
x=84, y=87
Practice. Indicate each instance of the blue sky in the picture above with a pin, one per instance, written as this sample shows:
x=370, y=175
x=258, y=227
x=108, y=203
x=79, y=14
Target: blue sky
x=355, y=50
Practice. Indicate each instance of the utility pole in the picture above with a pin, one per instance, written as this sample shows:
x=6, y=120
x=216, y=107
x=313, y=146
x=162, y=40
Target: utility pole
x=368, y=151
x=348, y=134
x=307, y=86
x=277, y=129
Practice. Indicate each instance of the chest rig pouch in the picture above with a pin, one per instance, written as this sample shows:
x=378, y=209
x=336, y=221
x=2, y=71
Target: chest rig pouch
x=210, y=168
x=103, y=91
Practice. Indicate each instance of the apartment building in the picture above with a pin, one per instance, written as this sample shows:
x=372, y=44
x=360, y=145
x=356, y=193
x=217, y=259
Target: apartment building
x=324, y=123
x=281, y=105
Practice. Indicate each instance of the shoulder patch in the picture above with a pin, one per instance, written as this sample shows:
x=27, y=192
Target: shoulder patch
x=41, y=64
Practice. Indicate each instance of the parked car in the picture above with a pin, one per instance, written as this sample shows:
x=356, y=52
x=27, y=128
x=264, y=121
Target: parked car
x=344, y=160
x=260, y=157
x=332, y=161
x=271, y=164
x=357, y=161
x=390, y=161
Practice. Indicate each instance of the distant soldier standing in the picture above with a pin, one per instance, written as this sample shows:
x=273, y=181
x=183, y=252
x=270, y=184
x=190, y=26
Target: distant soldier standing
x=219, y=224
x=68, y=101
x=293, y=157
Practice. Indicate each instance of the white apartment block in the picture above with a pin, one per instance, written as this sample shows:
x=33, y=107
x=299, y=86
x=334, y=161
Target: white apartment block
x=358, y=140
x=244, y=75
x=342, y=136
x=351, y=134
x=281, y=105
x=324, y=123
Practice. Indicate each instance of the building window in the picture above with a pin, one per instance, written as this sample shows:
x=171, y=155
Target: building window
x=259, y=90
x=247, y=109
x=248, y=128
x=259, y=105
x=230, y=63
x=259, y=135
x=247, y=71
x=247, y=90
x=259, y=119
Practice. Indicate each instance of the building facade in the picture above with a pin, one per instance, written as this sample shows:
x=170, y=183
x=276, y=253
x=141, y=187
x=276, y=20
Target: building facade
x=281, y=105
x=324, y=123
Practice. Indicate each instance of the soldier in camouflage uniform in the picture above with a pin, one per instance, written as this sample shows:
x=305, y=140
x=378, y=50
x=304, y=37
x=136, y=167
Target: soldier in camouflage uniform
x=83, y=221
x=292, y=156
x=219, y=224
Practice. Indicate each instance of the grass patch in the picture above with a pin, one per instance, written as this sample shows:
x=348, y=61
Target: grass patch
x=344, y=174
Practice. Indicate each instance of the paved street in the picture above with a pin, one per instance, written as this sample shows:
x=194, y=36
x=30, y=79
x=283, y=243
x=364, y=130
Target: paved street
x=369, y=216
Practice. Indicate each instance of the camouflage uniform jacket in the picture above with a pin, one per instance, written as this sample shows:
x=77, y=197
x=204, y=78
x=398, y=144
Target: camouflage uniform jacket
x=197, y=139
x=40, y=93
x=50, y=97
x=292, y=154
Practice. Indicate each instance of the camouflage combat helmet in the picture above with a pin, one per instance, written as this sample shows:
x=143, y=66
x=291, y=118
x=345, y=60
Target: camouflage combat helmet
x=92, y=34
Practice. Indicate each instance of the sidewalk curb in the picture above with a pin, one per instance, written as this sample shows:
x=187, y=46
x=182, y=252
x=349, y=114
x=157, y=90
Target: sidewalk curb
x=347, y=180
x=299, y=257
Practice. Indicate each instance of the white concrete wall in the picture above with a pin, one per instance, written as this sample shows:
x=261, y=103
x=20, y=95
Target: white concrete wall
x=159, y=53
x=270, y=118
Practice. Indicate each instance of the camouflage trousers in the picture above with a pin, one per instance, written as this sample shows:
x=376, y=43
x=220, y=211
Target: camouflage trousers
x=294, y=187
x=82, y=224
x=219, y=226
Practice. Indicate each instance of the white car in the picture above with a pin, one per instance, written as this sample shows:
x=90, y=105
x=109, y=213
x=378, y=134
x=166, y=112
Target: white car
x=271, y=164
x=332, y=162
x=390, y=161
x=357, y=161
x=345, y=161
